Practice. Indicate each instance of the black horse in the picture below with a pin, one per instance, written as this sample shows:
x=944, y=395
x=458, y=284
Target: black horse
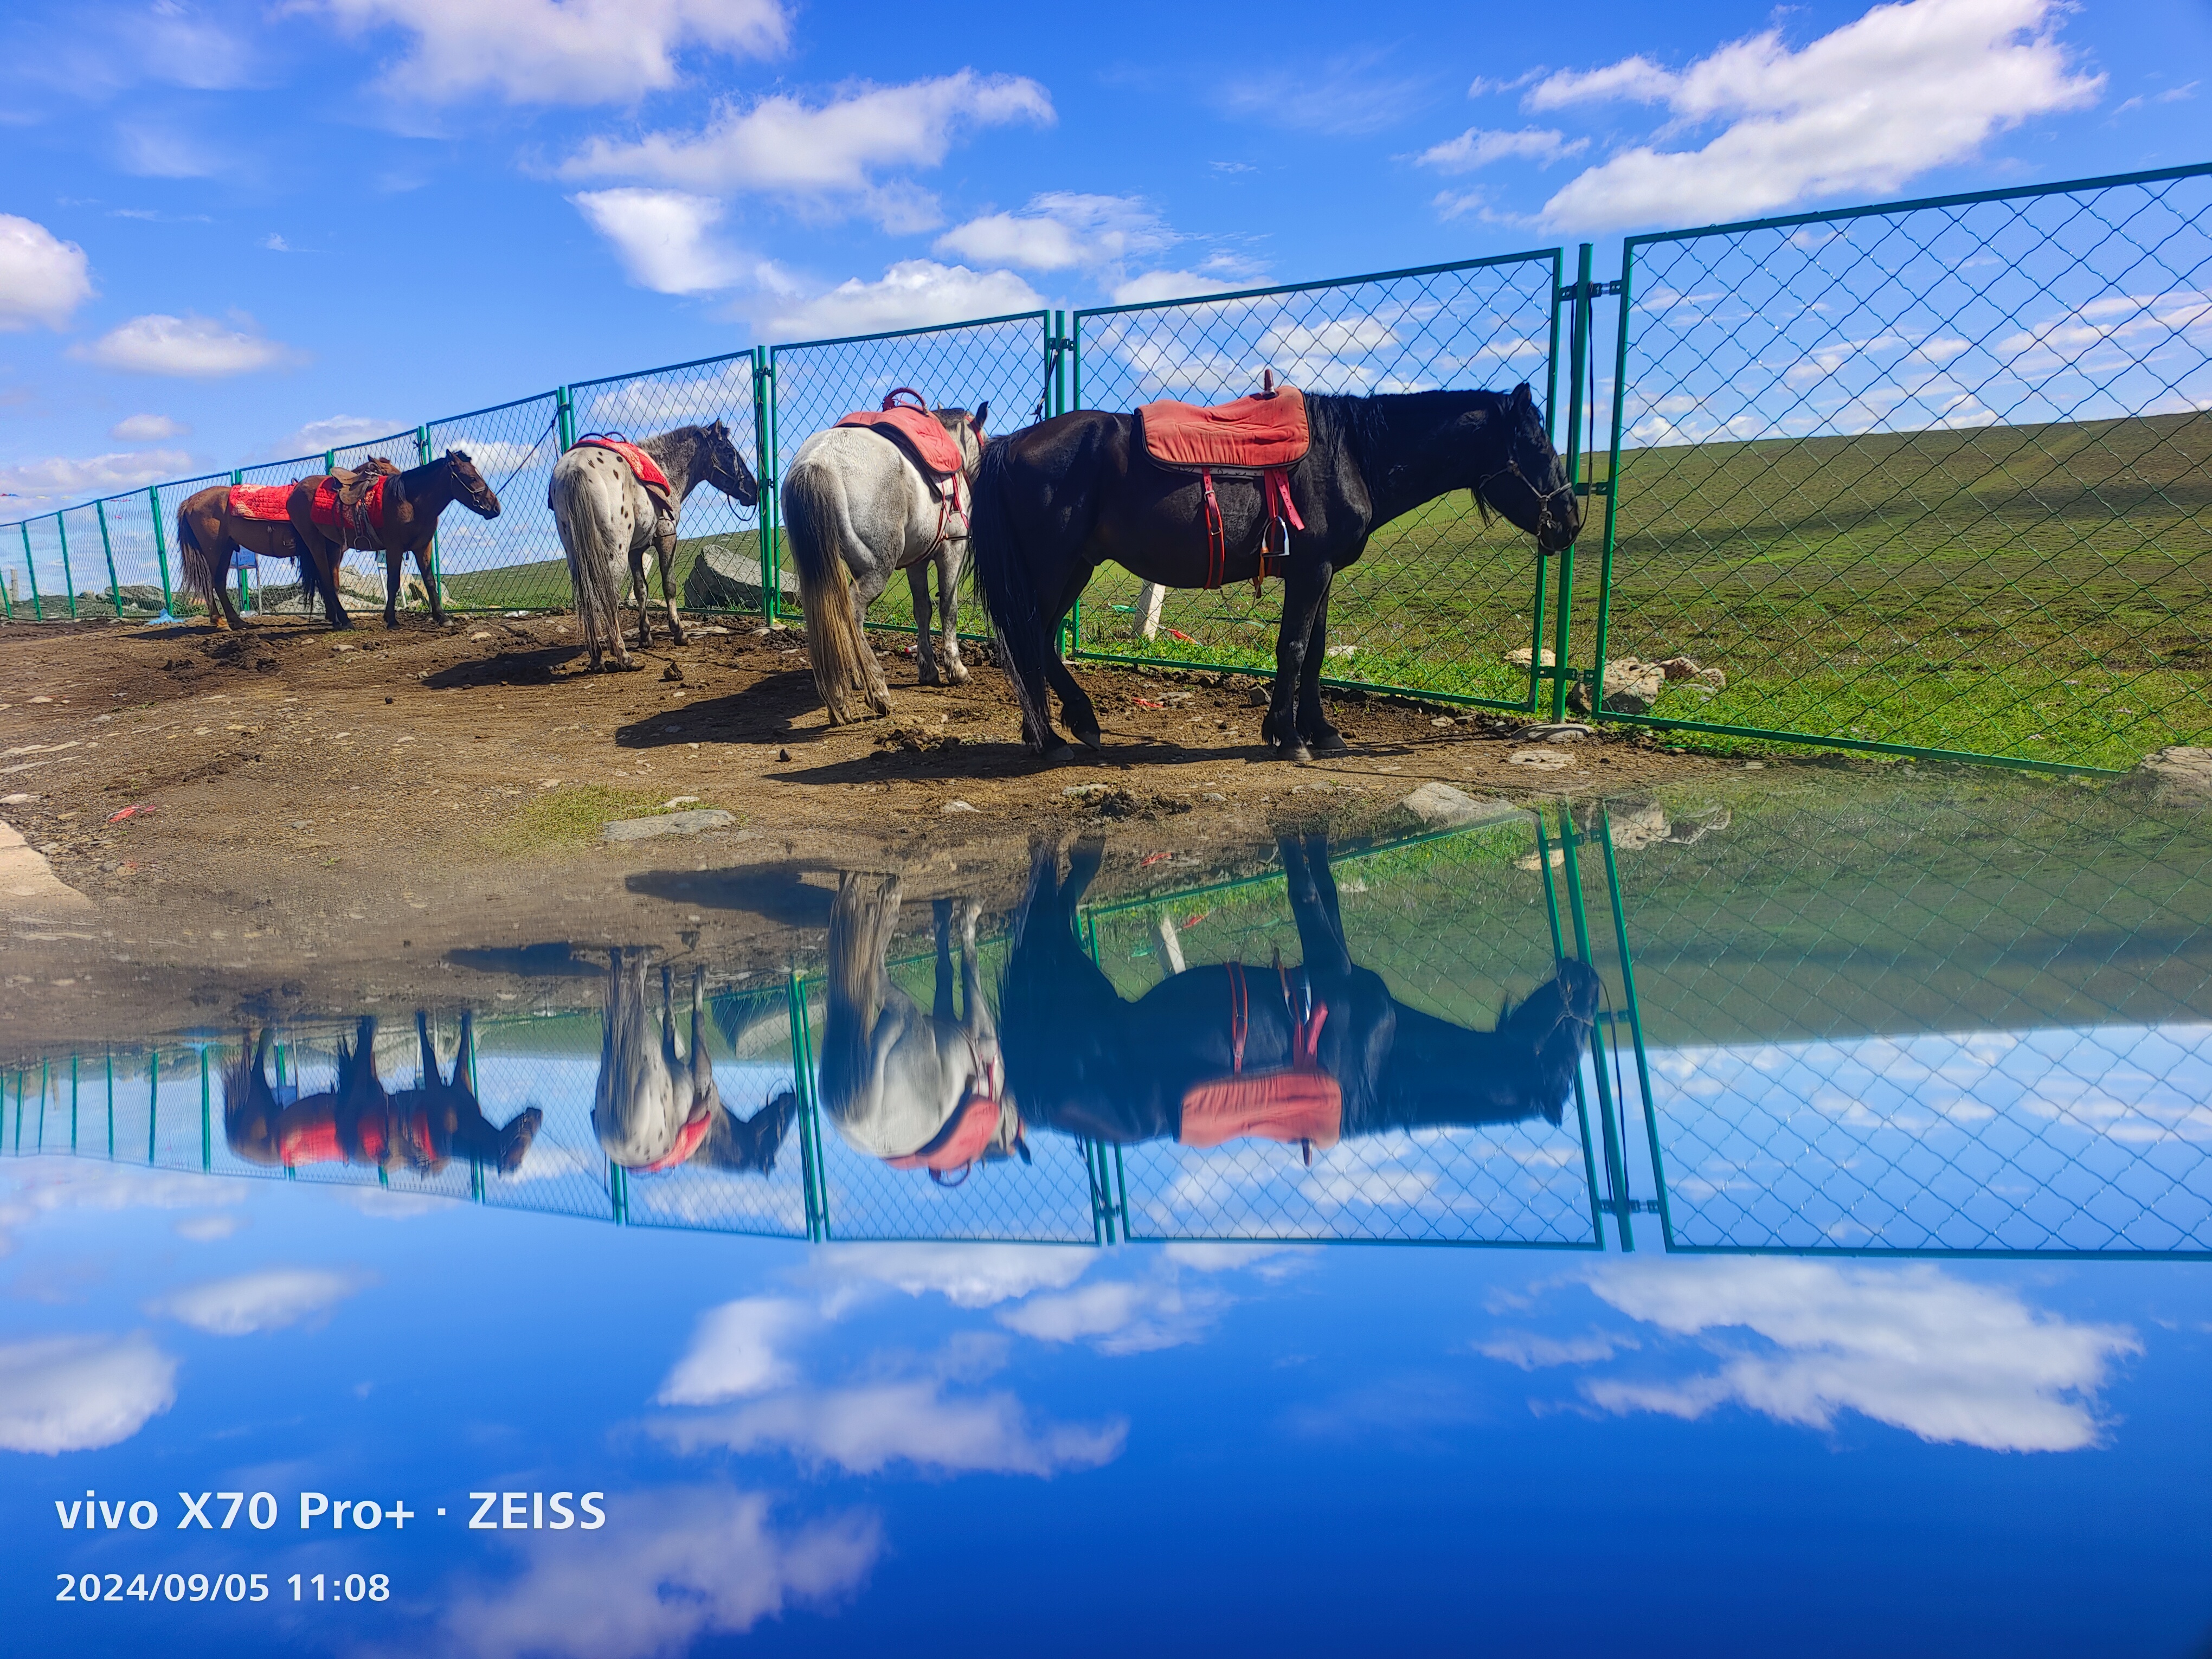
x=1312, y=1053
x=1055, y=501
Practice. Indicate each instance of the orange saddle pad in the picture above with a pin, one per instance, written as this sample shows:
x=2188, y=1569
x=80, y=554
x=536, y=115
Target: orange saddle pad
x=1267, y=429
x=922, y=434
x=1292, y=1105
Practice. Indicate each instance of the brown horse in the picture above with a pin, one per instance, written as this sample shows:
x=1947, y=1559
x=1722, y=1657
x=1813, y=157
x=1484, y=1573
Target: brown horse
x=209, y=532
x=412, y=502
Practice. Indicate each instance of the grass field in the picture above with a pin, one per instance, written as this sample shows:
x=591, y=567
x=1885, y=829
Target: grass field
x=2040, y=592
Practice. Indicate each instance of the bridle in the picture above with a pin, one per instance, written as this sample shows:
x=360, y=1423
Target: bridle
x=1543, y=499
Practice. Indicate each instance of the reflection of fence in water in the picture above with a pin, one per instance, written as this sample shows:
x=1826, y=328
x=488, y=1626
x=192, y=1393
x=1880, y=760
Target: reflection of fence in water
x=1943, y=1027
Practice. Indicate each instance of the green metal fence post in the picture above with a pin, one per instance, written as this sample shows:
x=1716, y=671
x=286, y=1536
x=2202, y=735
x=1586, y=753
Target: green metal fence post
x=1577, y=340
x=764, y=477
x=111, y=1106
x=153, y=1097
x=1613, y=488
x=1559, y=954
x=564, y=405
x=207, y=1117
x=437, y=574
x=7, y=599
x=810, y=1171
x=38, y=610
x=1635, y=1015
x=245, y=586
x=1616, y=1164
x=69, y=578
x=161, y=547
x=73, y=1093
x=107, y=547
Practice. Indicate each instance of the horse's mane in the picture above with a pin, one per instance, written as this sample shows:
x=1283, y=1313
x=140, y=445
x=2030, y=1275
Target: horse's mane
x=1371, y=426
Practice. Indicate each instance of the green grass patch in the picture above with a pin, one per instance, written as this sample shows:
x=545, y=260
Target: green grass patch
x=572, y=815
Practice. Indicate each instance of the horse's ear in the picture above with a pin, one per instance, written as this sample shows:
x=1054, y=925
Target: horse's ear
x=1522, y=400
x=982, y=412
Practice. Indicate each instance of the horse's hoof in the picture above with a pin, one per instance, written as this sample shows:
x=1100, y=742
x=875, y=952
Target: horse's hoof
x=1328, y=741
x=956, y=672
x=1058, y=754
x=1295, y=750
x=1093, y=740
x=926, y=674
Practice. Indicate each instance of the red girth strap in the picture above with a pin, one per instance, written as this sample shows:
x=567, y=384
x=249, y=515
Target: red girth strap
x=1282, y=518
x=1217, y=544
x=1240, y=1016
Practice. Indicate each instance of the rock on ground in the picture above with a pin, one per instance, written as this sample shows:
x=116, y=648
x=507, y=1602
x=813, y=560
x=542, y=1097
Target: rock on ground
x=28, y=885
x=668, y=823
x=724, y=579
x=1441, y=806
x=2175, y=776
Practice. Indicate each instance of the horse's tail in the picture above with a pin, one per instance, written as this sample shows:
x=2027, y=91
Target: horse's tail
x=1009, y=590
x=819, y=523
x=584, y=516
x=201, y=577
x=861, y=919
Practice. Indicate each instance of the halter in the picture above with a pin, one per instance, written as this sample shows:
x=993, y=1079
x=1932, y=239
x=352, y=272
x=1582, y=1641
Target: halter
x=1543, y=498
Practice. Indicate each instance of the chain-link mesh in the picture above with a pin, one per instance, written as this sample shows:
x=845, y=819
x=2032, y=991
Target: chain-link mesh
x=1439, y=602
x=138, y=558
x=51, y=595
x=963, y=366
x=1934, y=476
x=1456, y=927
x=1923, y=1023
x=166, y=499
x=718, y=553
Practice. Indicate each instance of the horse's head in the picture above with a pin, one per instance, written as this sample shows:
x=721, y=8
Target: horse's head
x=1522, y=477
x=726, y=469
x=470, y=489
x=967, y=430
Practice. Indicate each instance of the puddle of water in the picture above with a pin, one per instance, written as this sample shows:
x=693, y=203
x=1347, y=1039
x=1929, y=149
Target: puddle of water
x=1829, y=1144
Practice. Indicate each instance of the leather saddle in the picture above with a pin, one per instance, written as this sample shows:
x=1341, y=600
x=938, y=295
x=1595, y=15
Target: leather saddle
x=1259, y=436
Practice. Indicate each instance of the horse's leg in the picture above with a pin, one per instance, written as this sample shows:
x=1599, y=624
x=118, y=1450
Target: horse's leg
x=426, y=567
x=668, y=545
x=702, y=1063
x=395, y=561
x=925, y=655
x=940, y=1008
x=1312, y=892
x=950, y=558
x=1319, y=736
x=1304, y=586
x=865, y=591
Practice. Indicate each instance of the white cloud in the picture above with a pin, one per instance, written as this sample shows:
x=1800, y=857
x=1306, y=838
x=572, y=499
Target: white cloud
x=198, y=348
x=869, y=1427
x=1121, y=1315
x=1168, y=285
x=1478, y=147
x=557, y=51
x=1342, y=96
x=1529, y=1350
x=383, y=1204
x=1060, y=230
x=62, y=477
x=671, y=1567
x=76, y=1393
x=264, y=1301
x=209, y=1229
x=665, y=239
x=1940, y=1358
x=43, y=279
x=333, y=432
x=734, y=1352
x=783, y=146
x=966, y=1275
x=147, y=429
x=1865, y=108
x=162, y=152
x=913, y=293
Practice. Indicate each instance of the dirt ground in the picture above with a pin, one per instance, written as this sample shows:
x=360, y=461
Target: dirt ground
x=304, y=798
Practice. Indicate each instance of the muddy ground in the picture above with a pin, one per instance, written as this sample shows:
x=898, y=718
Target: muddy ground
x=305, y=799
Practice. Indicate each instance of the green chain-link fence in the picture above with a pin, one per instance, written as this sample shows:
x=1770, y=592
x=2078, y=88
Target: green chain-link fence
x=1931, y=476
x=1439, y=602
x=1926, y=478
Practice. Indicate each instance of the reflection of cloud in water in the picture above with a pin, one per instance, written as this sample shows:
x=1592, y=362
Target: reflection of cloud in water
x=264, y=1301
x=1911, y=1347
x=671, y=1567
x=869, y=1427
x=966, y=1275
x=734, y=1352
x=76, y=1393
x=1123, y=1315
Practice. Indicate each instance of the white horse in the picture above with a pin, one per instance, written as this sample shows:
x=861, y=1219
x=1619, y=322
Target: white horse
x=657, y=1106
x=858, y=508
x=606, y=517
x=919, y=1090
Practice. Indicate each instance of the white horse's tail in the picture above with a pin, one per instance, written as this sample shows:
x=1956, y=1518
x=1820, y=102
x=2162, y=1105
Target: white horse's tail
x=817, y=518
x=585, y=514
x=861, y=921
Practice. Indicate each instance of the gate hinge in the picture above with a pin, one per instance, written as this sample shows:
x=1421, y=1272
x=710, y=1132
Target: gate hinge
x=1593, y=290
x=1595, y=486
x=1060, y=343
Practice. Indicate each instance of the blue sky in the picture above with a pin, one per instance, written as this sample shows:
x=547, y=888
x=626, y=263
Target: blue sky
x=238, y=231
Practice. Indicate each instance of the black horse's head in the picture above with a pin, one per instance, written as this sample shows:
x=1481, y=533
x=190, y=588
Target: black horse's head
x=1523, y=477
x=725, y=468
x=470, y=489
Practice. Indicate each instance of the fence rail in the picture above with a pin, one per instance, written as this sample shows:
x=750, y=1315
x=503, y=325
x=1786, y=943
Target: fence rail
x=1928, y=478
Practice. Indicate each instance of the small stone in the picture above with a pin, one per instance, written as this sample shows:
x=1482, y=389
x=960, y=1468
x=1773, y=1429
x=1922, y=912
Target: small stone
x=2179, y=775
x=42, y=700
x=956, y=806
x=481, y=634
x=1343, y=650
x=301, y=823
x=783, y=754
x=21, y=798
x=673, y=674
x=1441, y=805
x=1079, y=791
x=1521, y=658
x=1212, y=795
x=1441, y=720
x=675, y=801
x=1258, y=696
x=667, y=823
x=341, y=647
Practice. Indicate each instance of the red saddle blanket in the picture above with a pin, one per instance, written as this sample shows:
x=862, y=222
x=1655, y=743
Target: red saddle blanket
x=326, y=513
x=1267, y=429
x=923, y=435
x=262, y=503
x=647, y=470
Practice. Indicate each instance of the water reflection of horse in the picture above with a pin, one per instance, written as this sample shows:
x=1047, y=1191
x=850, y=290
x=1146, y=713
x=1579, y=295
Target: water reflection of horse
x=919, y=1090
x=357, y=1120
x=1305, y=1056
x=657, y=1105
